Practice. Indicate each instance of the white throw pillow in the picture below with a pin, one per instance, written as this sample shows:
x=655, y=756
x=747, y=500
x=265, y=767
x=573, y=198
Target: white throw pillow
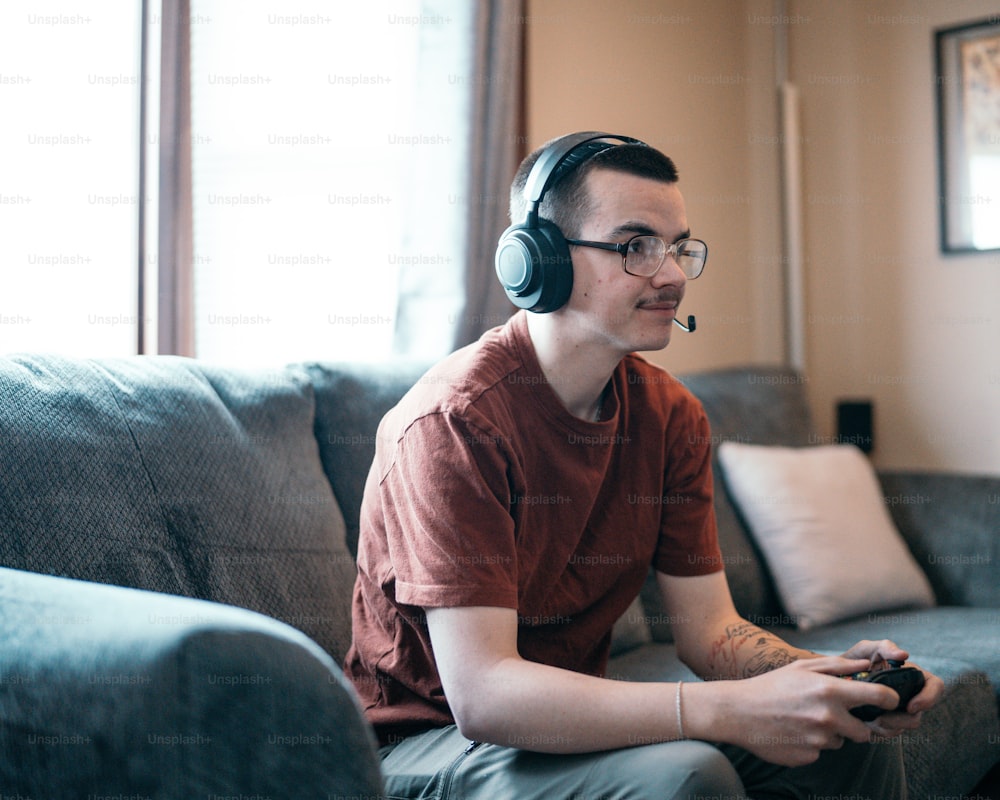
x=820, y=519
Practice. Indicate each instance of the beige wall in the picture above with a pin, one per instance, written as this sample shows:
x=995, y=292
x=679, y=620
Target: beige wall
x=888, y=317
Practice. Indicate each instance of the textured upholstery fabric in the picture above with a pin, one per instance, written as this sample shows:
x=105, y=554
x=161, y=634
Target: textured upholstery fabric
x=166, y=474
x=951, y=524
x=110, y=692
x=756, y=405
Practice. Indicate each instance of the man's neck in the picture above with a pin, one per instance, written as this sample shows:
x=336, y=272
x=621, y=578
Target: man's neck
x=577, y=371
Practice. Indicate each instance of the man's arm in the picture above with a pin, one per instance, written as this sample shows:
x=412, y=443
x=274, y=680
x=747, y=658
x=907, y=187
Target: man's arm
x=496, y=696
x=712, y=638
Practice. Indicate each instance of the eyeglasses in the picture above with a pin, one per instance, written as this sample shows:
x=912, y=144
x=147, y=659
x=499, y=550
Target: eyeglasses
x=643, y=255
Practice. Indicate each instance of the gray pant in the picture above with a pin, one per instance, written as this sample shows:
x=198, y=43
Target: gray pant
x=442, y=765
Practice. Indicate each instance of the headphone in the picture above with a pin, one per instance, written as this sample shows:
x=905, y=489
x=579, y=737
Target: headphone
x=532, y=259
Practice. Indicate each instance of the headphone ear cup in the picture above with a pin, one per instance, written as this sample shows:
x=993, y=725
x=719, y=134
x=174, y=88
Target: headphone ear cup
x=534, y=267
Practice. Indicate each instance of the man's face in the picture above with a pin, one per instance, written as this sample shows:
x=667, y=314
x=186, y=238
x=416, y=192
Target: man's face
x=609, y=307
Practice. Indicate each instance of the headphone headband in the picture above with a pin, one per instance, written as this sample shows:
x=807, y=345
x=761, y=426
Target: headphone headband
x=562, y=156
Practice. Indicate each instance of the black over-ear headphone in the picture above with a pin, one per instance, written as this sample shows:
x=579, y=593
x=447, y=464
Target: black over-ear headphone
x=532, y=259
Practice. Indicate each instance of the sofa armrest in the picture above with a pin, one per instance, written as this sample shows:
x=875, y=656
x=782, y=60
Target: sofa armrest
x=951, y=522
x=108, y=691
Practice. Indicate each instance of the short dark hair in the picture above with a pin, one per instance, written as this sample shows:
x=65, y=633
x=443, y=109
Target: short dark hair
x=566, y=202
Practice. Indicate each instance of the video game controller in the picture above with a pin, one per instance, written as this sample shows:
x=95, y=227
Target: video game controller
x=905, y=681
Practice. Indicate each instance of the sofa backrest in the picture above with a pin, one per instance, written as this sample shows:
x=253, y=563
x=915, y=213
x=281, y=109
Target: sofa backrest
x=171, y=475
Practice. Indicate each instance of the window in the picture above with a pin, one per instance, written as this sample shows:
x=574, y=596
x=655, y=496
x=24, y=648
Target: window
x=328, y=152
x=326, y=146
x=69, y=89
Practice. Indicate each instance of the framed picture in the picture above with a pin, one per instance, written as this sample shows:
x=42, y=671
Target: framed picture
x=968, y=105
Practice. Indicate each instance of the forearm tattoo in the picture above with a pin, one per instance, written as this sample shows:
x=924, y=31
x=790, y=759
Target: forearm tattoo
x=744, y=650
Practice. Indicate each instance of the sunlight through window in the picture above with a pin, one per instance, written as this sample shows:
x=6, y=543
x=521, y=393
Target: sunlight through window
x=69, y=177
x=309, y=123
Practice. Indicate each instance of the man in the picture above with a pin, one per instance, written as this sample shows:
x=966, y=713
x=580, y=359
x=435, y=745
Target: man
x=498, y=545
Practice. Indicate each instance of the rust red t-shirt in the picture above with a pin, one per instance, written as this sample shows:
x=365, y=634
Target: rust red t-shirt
x=486, y=491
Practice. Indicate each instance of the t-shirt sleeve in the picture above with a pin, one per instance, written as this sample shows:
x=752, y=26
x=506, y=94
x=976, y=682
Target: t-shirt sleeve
x=449, y=529
x=689, y=537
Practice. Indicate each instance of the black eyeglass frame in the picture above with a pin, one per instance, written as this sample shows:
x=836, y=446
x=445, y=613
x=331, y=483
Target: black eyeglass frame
x=622, y=249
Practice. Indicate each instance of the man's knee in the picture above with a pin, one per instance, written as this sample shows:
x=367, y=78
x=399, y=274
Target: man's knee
x=697, y=771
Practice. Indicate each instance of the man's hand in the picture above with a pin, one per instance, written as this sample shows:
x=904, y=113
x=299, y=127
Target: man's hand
x=895, y=722
x=784, y=712
x=791, y=714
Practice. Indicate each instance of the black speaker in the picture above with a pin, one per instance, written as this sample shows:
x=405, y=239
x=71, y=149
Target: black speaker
x=855, y=424
x=532, y=259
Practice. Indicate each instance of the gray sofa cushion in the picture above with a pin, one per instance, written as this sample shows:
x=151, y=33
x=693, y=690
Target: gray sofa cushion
x=175, y=476
x=950, y=522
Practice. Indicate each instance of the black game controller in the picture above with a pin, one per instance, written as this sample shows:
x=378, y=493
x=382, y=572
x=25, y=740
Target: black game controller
x=905, y=681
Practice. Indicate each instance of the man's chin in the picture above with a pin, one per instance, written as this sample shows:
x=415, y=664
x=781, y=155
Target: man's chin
x=650, y=344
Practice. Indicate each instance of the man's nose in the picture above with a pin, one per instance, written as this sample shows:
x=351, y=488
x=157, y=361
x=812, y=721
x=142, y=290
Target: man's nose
x=669, y=273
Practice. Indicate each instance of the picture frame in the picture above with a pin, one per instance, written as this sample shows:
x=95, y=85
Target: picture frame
x=967, y=77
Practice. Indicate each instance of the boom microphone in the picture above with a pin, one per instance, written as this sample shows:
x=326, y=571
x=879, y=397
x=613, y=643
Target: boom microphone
x=689, y=328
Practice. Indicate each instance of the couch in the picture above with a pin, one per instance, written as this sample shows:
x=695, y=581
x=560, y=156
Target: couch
x=176, y=561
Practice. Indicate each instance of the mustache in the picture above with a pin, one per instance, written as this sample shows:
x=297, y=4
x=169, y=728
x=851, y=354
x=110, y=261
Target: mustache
x=666, y=295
